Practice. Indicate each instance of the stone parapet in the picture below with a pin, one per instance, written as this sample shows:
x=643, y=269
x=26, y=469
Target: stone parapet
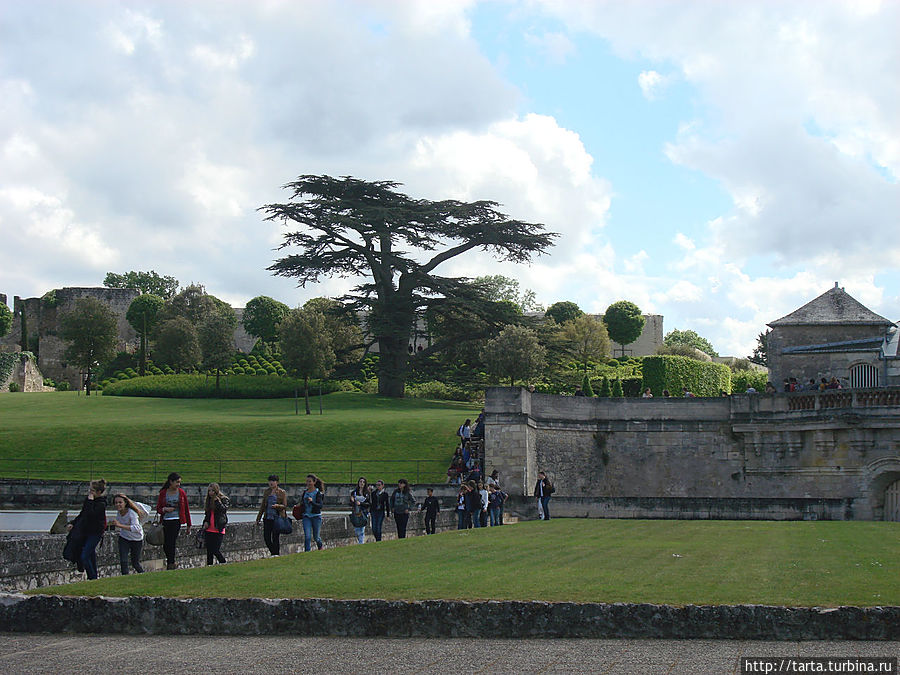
x=36, y=561
x=441, y=619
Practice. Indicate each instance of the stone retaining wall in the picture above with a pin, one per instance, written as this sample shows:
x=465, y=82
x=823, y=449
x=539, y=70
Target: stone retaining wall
x=37, y=562
x=440, y=619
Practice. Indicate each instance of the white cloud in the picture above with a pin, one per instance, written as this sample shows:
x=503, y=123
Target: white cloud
x=554, y=47
x=651, y=84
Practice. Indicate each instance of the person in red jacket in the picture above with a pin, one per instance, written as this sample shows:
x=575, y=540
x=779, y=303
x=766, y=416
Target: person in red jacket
x=172, y=506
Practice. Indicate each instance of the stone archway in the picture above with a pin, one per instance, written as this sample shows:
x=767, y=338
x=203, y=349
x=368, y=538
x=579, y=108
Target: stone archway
x=880, y=488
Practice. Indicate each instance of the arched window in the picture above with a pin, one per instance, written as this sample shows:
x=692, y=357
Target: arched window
x=863, y=375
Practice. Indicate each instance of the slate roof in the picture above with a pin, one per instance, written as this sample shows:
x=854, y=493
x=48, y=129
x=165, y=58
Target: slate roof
x=834, y=306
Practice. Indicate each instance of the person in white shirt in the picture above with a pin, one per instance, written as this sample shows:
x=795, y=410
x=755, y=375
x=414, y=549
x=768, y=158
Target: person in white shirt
x=131, y=533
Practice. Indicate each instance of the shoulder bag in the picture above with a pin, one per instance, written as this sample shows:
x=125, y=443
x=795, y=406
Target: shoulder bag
x=154, y=534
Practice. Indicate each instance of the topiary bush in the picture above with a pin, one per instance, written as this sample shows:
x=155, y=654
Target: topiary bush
x=586, y=386
x=616, y=388
x=605, y=390
x=632, y=386
x=674, y=372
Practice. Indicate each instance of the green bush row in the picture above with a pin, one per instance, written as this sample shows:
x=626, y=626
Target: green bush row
x=674, y=372
x=201, y=386
x=442, y=392
x=742, y=379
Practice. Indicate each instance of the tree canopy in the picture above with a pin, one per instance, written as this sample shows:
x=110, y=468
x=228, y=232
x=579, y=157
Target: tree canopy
x=215, y=337
x=306, y=346
x=6, y=319
x=586, y=338
x=91, y=330
x=515, y=354
x=624, y=322
x=176, y=344
x=143, y=315
x=145, y=282
x=690, y=338
x=262, y=316
x=499, y=287
x=563, y=311
x=346, y=227
x=760, y=355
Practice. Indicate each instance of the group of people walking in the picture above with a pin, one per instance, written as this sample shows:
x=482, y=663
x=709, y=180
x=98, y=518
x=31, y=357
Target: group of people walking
x=371, y=503
x=480, y=502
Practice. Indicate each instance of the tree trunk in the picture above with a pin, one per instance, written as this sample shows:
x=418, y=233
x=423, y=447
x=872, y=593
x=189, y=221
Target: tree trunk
x=393, y=361
x=217, y=381
x=144, y=345
x=306, y=393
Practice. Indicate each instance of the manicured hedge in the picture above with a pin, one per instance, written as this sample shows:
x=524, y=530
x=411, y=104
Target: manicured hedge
x=742, y=379
x=632, y=386
x=201, y=386
x=674, y=372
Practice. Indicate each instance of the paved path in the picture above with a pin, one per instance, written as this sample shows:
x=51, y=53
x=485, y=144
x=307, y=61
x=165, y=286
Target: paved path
x=155, y=654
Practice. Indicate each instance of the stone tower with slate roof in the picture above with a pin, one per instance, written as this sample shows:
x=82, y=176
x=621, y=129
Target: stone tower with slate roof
x=834, y=335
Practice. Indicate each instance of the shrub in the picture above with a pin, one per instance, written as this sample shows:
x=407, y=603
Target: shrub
x=61, y=386
x=201, y=386
x=237, y=370
x=586, y=386
x=617, y=388
x=440, y=391
x=742, y=379
x=674, y=372
x=605, y=391
x=13, y=386
x=632, y=386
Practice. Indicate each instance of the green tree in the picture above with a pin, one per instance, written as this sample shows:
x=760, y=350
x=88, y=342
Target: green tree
x=605, y=391
x=515, y=354
x=262, y=316
x=215, y=337
x=500, y=287
x=349, y=227
x=91, y=330
x=587, y=339
x=175, y=343
x=760, y=355
x=342, y=327
x=563, y=311
x=195, y=304
x=616, y=390
x=306, y=346
x=586, y=387
x=143, y=315
x=6, y=319
x=624, y=322
x=145, y=282
x=690, y=338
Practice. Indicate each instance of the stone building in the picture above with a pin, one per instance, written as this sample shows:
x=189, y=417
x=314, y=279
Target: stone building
x=41, y=327
x=834, y=335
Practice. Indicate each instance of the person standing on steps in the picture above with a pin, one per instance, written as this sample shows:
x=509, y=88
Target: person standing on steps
x=274, y=503
x=172, y=505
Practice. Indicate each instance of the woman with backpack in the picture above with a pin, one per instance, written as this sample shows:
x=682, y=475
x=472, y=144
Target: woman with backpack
x=215, y=519
x=89, y=525
x=359, y=503
x=402, y=502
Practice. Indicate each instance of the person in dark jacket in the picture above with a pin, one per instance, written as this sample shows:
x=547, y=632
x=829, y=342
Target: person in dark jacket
x=379, y=507
x=214, y=521
x=431, y=506
x=402, y=502
x=473, y=504
x=90, y=523
x=542, y=491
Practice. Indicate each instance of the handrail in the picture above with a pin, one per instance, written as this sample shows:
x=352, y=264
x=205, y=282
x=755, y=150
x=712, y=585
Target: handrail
x=223, y=470
x=844, y=398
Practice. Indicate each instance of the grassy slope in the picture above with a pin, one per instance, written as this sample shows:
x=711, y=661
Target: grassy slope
x=719, y=562
x=63, y=426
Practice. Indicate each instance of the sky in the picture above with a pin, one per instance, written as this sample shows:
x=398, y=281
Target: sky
x=719, y=163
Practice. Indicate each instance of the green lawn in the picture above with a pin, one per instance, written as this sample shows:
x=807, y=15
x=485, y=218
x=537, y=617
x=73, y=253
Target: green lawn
x=672, y=562
x=65, y=436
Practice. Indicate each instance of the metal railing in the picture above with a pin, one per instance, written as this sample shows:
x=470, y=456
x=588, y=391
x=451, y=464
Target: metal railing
x=224, y=470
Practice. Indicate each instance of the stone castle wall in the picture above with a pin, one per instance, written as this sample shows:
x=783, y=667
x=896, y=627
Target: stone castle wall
x=745, y=447
x=42, y=327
